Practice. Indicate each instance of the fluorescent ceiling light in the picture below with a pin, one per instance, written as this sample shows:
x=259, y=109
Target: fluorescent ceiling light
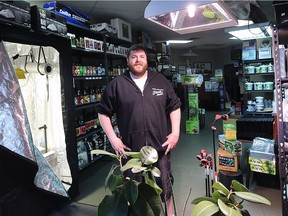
x=259, y=30
x=183, y=18
x=178, y=41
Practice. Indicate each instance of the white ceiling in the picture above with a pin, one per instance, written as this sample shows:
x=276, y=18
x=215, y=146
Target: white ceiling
x=133, y=12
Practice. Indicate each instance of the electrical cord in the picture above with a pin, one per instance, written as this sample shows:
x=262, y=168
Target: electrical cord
x=185, y=204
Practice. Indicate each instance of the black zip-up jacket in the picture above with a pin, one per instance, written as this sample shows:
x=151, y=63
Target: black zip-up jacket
x=141, y=118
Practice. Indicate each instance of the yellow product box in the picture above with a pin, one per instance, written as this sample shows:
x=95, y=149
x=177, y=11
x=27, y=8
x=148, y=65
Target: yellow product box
x=226, y=161
x=230, y=131
x=262, y=165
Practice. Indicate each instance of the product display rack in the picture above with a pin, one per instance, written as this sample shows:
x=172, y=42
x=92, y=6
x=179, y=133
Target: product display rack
x=281, y=85
x=258, y=81
x=93, y=56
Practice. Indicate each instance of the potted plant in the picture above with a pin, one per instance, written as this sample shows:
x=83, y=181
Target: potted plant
x=226, y=202
x=129, y=197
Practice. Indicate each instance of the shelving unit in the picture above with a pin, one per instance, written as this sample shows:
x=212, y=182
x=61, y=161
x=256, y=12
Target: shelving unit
x=96, y=59
x=258, y=81
x=281, y=87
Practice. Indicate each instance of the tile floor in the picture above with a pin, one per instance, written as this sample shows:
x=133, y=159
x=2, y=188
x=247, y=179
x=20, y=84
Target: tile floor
x=189, y=176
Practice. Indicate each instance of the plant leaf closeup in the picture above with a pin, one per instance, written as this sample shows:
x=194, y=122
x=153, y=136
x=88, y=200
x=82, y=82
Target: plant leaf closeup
x=132, y=163
x=131, y=191
x=112, y=205
x=252, y=197
x=237, y=186
x=147, y=202
x=227, y=210
x=98, y=151
x=219, y=186
x=205, y=208
x=148, y=155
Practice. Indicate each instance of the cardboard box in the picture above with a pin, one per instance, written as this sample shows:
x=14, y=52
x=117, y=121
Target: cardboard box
x=104, y=28
x=47, y=21
x=72, y=16
x=262, y=165
x=232, y=120
x=249, y=50
x=226, y=161
x=15, y=13
x=262, y=157
x=230, y=131
x=264, y=48
x=233, y=147
x=124, y=30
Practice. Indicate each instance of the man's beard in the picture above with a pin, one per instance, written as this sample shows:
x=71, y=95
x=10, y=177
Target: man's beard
x=137, y=72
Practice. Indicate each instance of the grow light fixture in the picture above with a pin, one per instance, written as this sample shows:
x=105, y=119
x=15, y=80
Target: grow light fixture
x=186, y=17
x=249, y=32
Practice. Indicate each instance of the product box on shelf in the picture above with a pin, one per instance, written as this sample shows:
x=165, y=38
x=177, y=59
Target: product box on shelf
x=262, y=157
x=226, y=161
x=72, y=15
x=264, y=47
x=47, y=21
x=124, y=31
x=230, y=131
x=105, y=28
x=233, y=147
x=15, y=13
x=249, y=50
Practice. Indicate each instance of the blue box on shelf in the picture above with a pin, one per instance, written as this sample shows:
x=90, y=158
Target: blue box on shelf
x=72, y=15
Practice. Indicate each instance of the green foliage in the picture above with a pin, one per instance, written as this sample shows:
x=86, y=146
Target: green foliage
x=226, y=202
x=130, y=197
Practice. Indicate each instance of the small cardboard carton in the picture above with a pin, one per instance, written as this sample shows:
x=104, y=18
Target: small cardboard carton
x=230, y=131
x=226, y=161
x=262, y=157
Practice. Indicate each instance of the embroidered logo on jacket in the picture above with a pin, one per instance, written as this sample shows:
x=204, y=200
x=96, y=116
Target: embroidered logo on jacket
x=157, y=92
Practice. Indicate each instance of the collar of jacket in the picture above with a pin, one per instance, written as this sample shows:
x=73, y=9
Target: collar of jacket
x=150, y=74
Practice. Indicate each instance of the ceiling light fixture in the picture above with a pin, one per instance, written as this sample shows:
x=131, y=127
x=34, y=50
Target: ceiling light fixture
x=178, y=41
x=249, y=32
x=184, y=18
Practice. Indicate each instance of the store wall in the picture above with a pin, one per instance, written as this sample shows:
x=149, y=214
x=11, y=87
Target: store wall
x=218, y=57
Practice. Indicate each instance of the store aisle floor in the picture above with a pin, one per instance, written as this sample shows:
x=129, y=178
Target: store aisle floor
x=189, y=177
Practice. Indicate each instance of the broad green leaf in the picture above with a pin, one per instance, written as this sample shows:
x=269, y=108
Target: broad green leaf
x=131, y=191
x=205, y=208
x=198, y=200
x=138, y=169
x=148, y=155
x=132, y=163
x=237, y=186
x=114, y=181
x=98, y=151
x=156, y=172
x=252, y=197
x=219, y=186
x=148, y=202
x=227, y=210
x=112, y=205
x=132, y=154
x=153, y=185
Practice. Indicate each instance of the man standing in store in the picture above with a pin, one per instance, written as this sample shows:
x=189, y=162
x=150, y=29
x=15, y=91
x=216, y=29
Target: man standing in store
x=143, y=100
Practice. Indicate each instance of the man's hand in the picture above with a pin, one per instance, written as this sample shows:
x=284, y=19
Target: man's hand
x=119, y=146
x=171, y=142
